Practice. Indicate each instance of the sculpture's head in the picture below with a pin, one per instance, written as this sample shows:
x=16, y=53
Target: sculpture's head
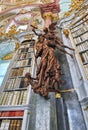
x=45, y=30
x=27, y=75
x=52, y=26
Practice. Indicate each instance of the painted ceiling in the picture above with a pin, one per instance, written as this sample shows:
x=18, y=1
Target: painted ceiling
x=20, y=13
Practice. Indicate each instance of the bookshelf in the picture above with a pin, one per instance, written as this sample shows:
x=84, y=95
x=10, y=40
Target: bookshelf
x=14, y=99
x=10, y=124
x=79, y=33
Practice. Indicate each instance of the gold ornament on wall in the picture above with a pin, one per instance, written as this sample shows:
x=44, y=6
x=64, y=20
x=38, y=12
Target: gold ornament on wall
x=66, y=32
x=75, y=5
x=8, y=56
x=35, y=23
x=55, y=17
x=12, y=31
x=47, y=15
x=10, y=34
x=17, y=45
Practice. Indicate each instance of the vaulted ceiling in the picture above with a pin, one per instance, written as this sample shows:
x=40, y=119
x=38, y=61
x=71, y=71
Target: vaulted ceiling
x=21, y=13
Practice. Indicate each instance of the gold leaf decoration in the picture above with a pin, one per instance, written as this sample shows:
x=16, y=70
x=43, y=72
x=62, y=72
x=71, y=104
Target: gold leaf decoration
x=66, y=32
x=75, y=5
x=17, y=45
x=8, y=56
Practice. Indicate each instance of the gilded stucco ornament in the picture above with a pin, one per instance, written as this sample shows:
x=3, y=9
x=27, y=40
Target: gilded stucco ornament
x=47, y=15
x=17, y=45
x=8, y=56
x=75, y=5
x=11, y=33
x=55, y=17
x=66, y=32
x=35, y=23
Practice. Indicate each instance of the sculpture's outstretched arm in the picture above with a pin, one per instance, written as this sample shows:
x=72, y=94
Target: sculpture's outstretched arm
x=60, y=43
x=65, y=52
x=34, y=30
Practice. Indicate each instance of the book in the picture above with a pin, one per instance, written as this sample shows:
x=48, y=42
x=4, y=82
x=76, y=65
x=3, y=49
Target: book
x=25, y=97
x=14, y=72
x=17, y=83
x=14, y=124
x=30, y=50
x=26, y=70
x=2, y=124
x=5, y=114
x=18, y=64
x=2, y=95
x=5, y=99
x=29, y=55
x=21, y=97
x=86, y=70
x=11, y=125
x=24, y=62
x=7, y=124
x=17, y=98
x=20, y=71
x=14, y=98
x=19, y=113
x=10, y=98
x=23, y=56
x=19, y=124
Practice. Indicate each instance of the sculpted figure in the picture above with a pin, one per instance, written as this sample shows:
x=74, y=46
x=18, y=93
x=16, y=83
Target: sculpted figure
x=48, y=74
x=54, y=41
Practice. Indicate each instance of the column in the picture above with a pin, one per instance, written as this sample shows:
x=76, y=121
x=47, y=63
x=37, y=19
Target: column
x=25, y=120
x=61, y=124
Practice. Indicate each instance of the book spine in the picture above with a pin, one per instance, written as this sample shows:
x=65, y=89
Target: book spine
x=20, y=98
x=2, y=95
x=2, y=125
x=25, y=97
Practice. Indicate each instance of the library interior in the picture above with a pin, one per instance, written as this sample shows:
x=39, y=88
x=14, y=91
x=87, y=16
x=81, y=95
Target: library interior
x=43, y=64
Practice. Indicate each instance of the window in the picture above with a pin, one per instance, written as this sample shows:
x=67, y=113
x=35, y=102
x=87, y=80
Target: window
x=3, y=68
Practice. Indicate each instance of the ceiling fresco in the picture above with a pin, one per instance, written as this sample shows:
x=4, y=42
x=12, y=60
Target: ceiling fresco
x=20, y=14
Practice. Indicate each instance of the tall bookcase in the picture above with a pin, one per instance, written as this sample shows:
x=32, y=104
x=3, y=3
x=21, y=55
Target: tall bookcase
x=77, y=26
x=79, y=32
x=15, y=97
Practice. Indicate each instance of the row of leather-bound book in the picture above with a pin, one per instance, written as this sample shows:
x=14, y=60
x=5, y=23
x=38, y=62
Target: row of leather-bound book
x=23, y=50
x=27, y=44
x=83, y=46
x=13, y=93
x=10, y=124
x=21, y=63
x=78, y=28
x=14, y=98
x=24, y=56
x=86, y=70
x=15, y=83
x=84, y=57
x=79, y=31
x=81, y=38
x=18, y=113
x=20, y=71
